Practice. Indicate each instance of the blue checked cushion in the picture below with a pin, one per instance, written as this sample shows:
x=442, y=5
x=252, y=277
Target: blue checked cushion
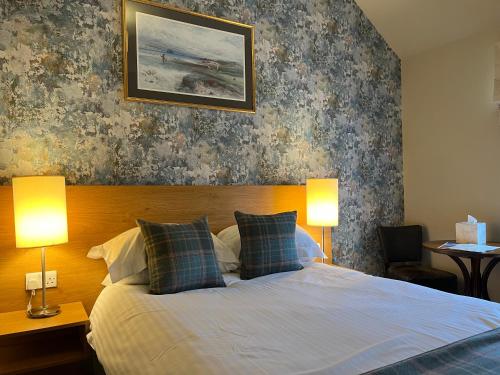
x=180, y=256
x=267, y=244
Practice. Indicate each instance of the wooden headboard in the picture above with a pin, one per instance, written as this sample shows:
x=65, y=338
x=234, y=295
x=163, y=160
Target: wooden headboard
x=98, y=213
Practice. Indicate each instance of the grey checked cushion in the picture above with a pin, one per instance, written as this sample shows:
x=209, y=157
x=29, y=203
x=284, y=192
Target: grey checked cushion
x=180, y=256
x=267, y=244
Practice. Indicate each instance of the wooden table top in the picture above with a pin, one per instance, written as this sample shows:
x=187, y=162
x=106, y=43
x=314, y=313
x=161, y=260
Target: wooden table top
x=17, y=323
x=434, y=246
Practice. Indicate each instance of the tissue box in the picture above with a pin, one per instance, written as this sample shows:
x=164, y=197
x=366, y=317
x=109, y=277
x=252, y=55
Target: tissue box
x=470, y=233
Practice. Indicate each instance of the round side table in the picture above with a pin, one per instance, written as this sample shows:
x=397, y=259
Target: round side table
x=476, y=284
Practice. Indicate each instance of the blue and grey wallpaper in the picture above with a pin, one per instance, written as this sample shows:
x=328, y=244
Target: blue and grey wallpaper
x=328, y=105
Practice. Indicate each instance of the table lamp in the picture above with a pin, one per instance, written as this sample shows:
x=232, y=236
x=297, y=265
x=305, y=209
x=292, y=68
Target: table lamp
x=322, y=196
x=40, y=220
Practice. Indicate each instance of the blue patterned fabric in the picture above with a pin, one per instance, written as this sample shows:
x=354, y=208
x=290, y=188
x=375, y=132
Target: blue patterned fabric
x=180, y=256
x=267, y=244
x=475, y=355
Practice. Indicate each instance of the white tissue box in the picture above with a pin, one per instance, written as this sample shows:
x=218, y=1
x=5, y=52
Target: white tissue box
x=470, y=233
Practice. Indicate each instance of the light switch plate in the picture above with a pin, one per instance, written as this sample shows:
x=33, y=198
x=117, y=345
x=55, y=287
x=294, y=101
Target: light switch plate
x=34, y=280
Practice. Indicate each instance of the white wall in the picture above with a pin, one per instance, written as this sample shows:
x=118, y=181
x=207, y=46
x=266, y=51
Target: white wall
x=451, y=142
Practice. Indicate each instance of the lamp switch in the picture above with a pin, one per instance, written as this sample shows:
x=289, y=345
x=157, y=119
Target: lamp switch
x=34, y=280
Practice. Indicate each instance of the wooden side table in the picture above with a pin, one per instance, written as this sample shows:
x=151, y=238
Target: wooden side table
x=476, y=285
x=29, y=345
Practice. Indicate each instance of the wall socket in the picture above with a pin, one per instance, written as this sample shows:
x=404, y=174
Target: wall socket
x=34, y=280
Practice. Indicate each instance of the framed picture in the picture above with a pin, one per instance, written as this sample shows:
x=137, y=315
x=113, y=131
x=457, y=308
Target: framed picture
x=179, y=57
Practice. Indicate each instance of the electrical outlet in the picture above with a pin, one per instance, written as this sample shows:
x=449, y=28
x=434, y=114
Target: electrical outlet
x=34, y=280
x=51, y=279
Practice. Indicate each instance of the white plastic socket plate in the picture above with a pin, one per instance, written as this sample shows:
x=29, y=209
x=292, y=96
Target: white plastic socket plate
x=34, y=280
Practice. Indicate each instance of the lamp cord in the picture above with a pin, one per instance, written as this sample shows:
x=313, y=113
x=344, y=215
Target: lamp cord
x=32, y=294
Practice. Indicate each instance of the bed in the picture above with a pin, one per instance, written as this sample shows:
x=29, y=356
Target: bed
x=320, y=320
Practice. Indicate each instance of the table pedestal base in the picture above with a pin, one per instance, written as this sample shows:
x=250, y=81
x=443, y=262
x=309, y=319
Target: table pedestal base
x=486, y=274
x=475, y=284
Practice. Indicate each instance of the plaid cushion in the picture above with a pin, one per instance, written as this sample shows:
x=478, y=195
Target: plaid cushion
x=180, y=256
x=267, y=244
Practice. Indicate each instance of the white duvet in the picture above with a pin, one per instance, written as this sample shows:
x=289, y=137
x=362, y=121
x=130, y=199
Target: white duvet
x=320, y=320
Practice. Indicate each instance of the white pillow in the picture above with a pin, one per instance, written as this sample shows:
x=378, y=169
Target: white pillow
x=231, y=237
x=225, y=257
x=140, y=278
x=125, y=254
x=107, y=280
x=307, y=248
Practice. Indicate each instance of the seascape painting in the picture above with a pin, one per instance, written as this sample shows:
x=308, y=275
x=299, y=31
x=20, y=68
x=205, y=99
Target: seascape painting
x=176, y=56
x=182, y=58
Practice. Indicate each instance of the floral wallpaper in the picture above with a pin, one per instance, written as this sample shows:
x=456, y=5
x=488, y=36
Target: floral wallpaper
x=328, y=105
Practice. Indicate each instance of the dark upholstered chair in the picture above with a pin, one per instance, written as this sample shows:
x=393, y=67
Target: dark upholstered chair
x=402, y=247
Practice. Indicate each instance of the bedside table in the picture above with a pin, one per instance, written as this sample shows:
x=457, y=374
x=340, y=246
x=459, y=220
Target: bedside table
x=50, y=345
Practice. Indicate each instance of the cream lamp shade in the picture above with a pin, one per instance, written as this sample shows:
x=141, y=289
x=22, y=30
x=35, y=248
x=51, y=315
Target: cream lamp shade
x=40, y=211
x=322, y=202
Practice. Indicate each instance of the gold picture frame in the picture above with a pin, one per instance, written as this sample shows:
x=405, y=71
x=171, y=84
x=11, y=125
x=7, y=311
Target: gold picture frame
x=207, y=81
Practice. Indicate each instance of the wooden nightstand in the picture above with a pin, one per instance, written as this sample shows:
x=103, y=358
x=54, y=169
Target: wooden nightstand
x=51, y=345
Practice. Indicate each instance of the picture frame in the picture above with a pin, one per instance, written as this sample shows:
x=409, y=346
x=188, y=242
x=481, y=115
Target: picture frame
x=179, y=57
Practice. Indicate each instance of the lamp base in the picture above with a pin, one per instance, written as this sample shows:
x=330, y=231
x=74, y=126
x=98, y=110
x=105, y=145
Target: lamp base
x=43, y=312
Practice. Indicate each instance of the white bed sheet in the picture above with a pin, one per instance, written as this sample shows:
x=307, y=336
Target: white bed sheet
x=321, y=320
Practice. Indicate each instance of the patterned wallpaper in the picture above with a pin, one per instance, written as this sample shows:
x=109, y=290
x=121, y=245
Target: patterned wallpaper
x=328, y=105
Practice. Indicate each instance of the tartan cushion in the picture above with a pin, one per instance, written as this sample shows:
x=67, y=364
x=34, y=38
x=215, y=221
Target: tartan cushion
x=180, y=256
x=267, y=244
